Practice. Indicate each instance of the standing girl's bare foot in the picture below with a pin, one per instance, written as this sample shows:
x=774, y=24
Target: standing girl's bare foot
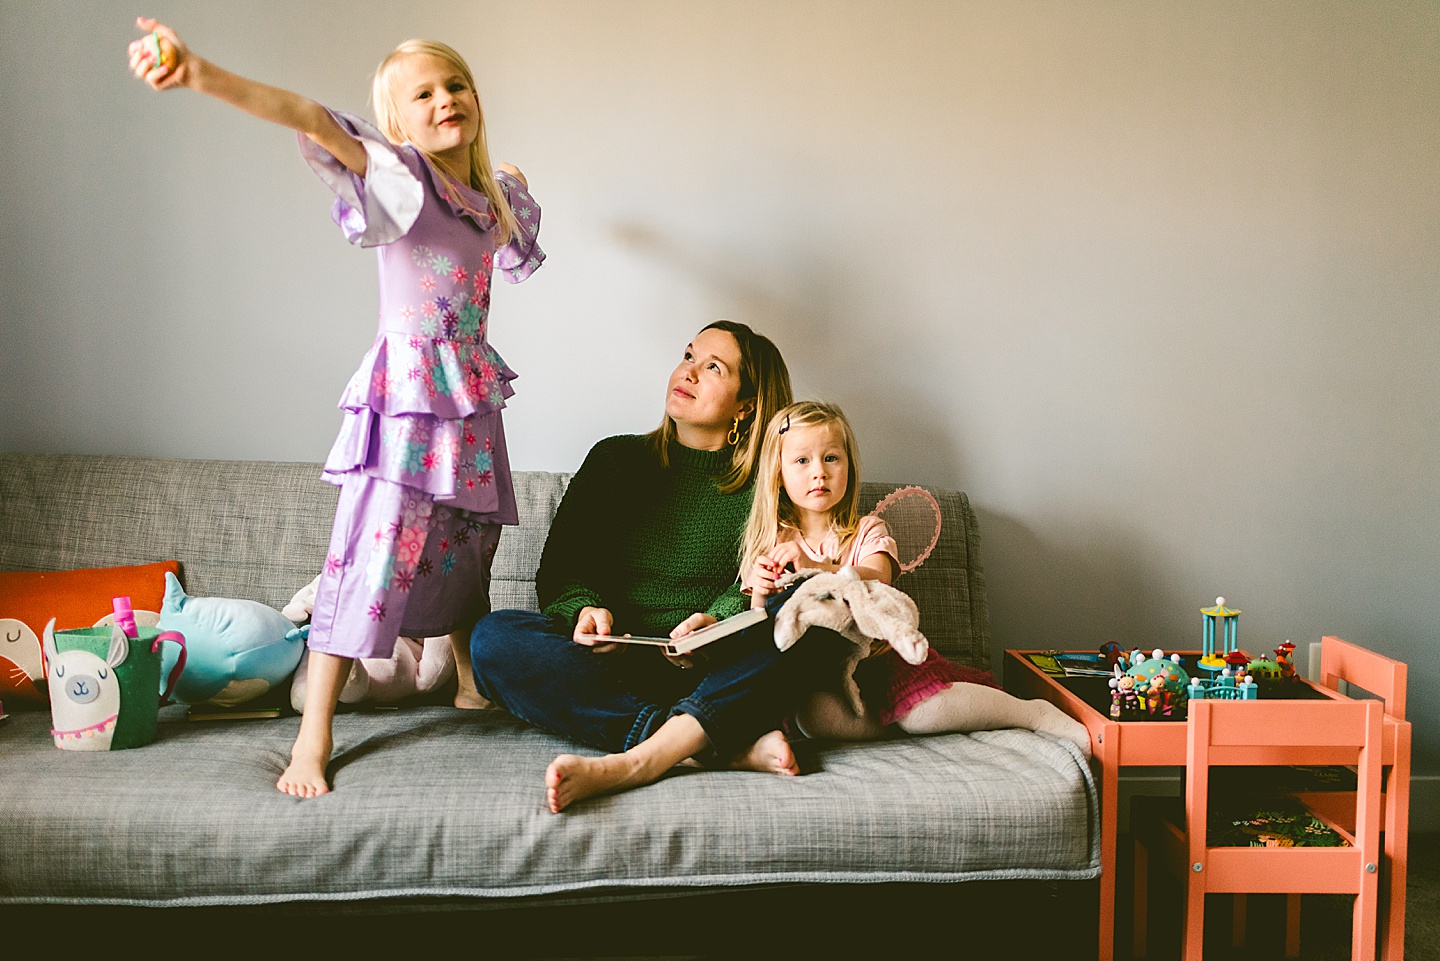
x=467, y=696
x=305, y=776
x=771, y=754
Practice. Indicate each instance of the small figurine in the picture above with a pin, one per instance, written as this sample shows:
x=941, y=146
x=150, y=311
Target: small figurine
x=1285, y=657
x=1154, y=685
x=1111, y=651
x=1237, y=661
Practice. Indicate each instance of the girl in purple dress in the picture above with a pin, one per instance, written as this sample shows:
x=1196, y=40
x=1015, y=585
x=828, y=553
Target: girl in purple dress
x=420, y=461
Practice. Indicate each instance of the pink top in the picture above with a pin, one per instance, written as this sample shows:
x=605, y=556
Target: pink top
x=872, y=537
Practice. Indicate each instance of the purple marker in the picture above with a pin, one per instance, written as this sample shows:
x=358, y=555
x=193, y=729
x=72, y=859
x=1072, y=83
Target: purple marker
x=125, y=617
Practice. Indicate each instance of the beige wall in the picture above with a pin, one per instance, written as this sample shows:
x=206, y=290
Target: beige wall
x=1155, y=282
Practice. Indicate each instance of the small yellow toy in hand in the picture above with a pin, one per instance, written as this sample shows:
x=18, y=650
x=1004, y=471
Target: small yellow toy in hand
x=157, y=48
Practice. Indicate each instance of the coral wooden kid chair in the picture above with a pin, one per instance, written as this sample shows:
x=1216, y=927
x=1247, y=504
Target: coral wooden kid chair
x=1343, y=667
x=1267, y=734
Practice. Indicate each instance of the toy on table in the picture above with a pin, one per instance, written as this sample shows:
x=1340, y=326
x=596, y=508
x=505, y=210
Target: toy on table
x=1285, y=657
x=1229, y=619
x=1157, y=685
x=1277, y=670
x=1112, y=653
x=1235, y=682
x=1224, y=673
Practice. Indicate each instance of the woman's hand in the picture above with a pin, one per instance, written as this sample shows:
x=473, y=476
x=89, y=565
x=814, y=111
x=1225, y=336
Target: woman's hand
x=692, y=623
x=178, y=67
x=594, y=620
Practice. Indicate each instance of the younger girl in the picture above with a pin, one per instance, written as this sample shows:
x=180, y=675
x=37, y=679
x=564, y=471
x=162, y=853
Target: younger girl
x=421, y=459
x=805, y=514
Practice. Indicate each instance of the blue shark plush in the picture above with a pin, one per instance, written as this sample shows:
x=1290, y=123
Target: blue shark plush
x=237, y=649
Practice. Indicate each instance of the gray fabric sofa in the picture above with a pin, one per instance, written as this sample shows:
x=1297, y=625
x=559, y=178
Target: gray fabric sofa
x=436, y=806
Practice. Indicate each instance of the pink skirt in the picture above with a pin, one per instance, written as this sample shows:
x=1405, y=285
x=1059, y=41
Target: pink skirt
x=891, y=688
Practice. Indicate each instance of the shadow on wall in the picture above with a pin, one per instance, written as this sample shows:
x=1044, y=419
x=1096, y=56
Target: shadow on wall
x=833, y=352
x=1095, y=582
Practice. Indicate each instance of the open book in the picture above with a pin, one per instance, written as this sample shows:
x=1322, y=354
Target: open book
x=693, y=640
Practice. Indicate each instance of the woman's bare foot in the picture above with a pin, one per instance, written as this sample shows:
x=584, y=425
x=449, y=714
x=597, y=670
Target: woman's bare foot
x=305, y=777
x=771, y=754
x=571, y=778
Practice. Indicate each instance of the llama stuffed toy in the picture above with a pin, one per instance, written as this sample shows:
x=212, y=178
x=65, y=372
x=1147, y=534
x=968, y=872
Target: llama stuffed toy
x=416, y=666
x=861, y=611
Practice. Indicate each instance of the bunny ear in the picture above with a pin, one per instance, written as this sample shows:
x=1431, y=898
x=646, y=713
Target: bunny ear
x=888, y=614
x=787, y=627
x=913, y=517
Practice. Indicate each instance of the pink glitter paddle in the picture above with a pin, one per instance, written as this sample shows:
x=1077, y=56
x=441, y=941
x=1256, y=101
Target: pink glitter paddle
x=913, y=516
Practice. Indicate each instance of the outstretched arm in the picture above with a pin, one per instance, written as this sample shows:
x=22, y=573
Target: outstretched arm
x=181, y=68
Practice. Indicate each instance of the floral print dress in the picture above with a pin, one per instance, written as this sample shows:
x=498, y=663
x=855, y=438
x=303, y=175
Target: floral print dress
x=421, y=458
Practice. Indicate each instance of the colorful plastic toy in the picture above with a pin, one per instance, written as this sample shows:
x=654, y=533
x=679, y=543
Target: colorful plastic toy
x=1210, y=658
x=1154, y=685
x=156, y=48
x=1235, y=683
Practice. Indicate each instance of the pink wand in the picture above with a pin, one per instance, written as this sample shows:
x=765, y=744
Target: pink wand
x=125, y=617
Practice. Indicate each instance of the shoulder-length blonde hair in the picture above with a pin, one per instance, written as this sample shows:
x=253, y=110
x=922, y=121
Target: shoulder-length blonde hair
x=772, y=509
x=764, y=380
x=480, y=176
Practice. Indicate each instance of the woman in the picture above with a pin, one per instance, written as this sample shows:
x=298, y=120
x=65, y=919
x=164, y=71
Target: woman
x=646, y=541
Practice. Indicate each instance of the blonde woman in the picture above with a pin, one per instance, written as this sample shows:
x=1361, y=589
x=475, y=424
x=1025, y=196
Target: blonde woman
x=646, y=542
x=421, y=459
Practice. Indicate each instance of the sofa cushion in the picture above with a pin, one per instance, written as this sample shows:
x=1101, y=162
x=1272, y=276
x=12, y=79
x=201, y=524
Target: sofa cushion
x=438, y=802
x=82, y=597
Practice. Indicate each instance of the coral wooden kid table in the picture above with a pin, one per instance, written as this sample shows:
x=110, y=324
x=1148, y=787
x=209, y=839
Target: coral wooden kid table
x=1161, y=742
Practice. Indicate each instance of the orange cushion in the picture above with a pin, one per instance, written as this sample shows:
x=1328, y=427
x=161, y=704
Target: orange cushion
x=75, y=599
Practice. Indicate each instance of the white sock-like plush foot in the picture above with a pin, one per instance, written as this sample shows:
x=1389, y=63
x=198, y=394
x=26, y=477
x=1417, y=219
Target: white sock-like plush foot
x=978, y=707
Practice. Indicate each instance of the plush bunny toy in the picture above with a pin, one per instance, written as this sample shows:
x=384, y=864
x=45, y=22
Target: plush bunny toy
x=860, y=610
x=416, y=667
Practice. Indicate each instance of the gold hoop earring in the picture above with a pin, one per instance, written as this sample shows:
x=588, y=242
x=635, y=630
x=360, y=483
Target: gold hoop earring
x=733, y=437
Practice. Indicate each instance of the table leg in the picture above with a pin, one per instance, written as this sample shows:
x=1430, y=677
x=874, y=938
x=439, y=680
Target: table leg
x=1109, y=755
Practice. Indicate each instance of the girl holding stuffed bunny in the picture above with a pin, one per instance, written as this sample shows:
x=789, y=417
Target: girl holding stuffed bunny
x=806, y=516
x=421, y=459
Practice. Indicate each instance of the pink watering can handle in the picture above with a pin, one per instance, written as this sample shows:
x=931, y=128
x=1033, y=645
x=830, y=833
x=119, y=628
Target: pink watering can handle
x=178, y=638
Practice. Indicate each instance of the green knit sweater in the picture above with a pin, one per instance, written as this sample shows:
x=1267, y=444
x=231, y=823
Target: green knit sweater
x=652, y=545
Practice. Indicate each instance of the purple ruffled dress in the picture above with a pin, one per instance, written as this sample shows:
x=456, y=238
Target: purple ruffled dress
x=421, y=458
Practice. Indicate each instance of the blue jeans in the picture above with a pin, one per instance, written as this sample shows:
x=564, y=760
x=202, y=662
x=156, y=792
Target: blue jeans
x=741, y=689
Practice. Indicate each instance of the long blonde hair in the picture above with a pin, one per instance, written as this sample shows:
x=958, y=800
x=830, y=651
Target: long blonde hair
x=480, y=176
x=765, y=380
x=772, y=509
